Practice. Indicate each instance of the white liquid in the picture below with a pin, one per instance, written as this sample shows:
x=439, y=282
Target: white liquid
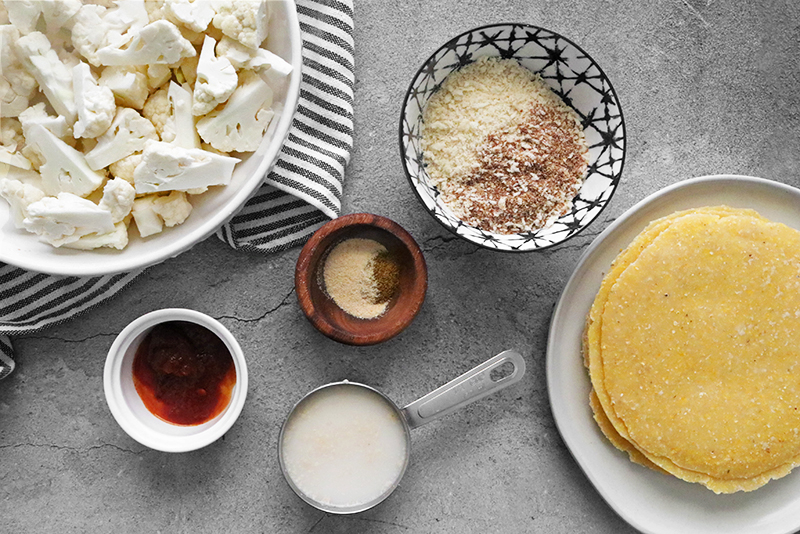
x=344, y=446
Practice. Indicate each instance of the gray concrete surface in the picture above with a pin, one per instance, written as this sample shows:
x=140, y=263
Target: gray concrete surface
x=707, y=86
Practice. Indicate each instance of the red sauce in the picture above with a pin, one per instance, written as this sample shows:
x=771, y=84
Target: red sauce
x=183, y=373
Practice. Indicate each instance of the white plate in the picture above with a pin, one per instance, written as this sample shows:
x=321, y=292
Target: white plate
x=650, y=501
x=210, y=210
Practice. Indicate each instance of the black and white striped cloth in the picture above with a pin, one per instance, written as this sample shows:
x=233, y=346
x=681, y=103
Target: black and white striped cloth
x=301, y=193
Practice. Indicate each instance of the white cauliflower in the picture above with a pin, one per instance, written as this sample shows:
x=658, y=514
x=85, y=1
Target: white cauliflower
x=194, y=14
x=25, y=14
x=128, y=83
x=157, y=75
x=216, y=80
x=158, y=42
x=148, y=222
x=124, y=168
x=247, y=21
x=19, y=196
x=53, y=77
x=272, y=68
x=11, y=139
x=186, y=72
x=168, y=167
x=94, y=103
x=17, y=86
x=57, y=125
x=126, y=16
x=240, y=125
x=128, y=134
x=66, y=218
x=116, y=238
x=118, y=196
x=158, y=110
x=89, y=33
x=64, y=168
x=173, y=209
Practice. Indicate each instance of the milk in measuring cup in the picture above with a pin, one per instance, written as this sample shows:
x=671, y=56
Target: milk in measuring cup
x=344, y=446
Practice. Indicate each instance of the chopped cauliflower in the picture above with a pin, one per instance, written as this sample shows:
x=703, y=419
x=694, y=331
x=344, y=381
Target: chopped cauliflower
x=57, y=125
x=124, y=168
x=157, y=76
x=158, y=42
x=53, y=77
x=173, y=209
x=186, y=71
x=94, y=103
x=158, y=110
x=239, y=20
x=169, y=167
x=216, y=80
x=64, y=169
x=148, y=222
x=194, y=14
x=11, y=139
x=116, y=238
x=240, y=125
x=128, y=134
x=17, y=86
x=118, y=196
x=66, y=218
x=25, y=14
x=19, y=196
x=128, y=83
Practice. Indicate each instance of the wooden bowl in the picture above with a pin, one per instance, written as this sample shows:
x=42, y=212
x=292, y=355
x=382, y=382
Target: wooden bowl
x=326, y=315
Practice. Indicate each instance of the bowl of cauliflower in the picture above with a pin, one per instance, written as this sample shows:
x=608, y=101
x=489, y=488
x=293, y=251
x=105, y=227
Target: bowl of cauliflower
x=132, y=129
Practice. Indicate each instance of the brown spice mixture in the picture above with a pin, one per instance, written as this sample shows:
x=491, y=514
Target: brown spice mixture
x=526, y=176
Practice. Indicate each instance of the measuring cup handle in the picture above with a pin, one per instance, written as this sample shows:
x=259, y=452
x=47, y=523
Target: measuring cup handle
x=469, y=387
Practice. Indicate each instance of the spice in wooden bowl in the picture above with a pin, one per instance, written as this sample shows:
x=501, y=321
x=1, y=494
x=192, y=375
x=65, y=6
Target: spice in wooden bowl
x=361, y=279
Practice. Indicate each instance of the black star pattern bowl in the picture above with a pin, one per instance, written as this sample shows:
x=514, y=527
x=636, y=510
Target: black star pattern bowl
x=573, y=76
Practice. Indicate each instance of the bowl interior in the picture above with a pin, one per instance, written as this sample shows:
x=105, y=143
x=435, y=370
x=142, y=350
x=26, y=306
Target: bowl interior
x=326, y=315
x=210, y=210
x=131, y=413
x=571, y=74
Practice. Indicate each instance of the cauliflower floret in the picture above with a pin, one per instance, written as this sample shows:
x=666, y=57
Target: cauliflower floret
x=124, y=168
x=128, y=83
x=17, y=86
x=25, y=14
x=95, y=104
x=158, y=110
x=118, y=196
x=216, y=80
x=173, y=209
x=240, y=125
x=128, y=134
x=53, y=77
x=19, y=195
x=148, y=222
x=11, y=133
x=155, y=9
x=239, y=20
x=66, y=218
x=88, y=35
x=157, y=75
x=158, y=42
x=186, y=72
x=126, y=16
x=116, y=238
x=194, y=14
x=11, y=139
x=38, y=115
x=65, y=168
x=168, y=167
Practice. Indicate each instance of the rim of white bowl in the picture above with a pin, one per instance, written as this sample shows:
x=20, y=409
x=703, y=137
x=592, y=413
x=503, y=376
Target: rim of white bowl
x=114, y=388
x=410, y=180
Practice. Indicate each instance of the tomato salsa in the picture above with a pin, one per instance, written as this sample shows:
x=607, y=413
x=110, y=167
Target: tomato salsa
x=183, y=373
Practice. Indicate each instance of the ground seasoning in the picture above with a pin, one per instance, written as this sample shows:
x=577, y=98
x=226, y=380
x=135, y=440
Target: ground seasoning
x=361, y=277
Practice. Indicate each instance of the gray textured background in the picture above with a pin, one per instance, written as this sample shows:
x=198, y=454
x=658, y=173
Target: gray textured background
x=706, y=86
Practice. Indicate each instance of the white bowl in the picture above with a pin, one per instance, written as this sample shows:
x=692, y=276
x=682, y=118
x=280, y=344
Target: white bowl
x=130, y=412
x=211, y=210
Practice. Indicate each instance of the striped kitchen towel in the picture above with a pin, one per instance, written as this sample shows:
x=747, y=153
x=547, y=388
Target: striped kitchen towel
x=300, y=194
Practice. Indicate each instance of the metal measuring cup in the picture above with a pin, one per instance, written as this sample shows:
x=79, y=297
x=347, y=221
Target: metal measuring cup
x=467, y=388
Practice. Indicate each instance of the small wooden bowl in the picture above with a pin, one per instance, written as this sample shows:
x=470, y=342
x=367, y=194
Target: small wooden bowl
x=323, y=312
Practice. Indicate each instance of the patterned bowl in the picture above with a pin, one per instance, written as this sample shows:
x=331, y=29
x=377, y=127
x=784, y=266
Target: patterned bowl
x=573, y=76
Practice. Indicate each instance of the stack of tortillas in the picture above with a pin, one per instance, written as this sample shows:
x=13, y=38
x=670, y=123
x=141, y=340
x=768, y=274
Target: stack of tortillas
x=693, y=348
